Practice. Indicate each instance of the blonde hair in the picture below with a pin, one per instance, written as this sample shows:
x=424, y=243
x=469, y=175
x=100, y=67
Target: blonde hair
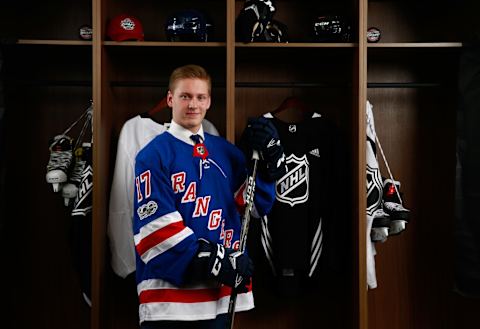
x=190, y=71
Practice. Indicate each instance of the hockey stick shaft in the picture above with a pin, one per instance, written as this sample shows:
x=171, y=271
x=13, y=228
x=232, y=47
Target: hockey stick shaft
x=244, y=233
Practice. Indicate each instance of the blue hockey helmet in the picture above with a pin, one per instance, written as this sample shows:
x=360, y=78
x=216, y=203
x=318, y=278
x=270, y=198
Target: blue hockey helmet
x=187, y=25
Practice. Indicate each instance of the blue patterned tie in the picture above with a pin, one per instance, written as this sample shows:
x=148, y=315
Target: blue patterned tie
x=196, y=138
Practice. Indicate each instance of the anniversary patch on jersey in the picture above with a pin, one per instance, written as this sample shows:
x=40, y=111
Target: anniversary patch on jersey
x=147, y=209
x=293, y=187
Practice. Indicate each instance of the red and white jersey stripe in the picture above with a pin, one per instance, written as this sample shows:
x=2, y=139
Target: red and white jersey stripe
x=160, y=235
x=160, y=300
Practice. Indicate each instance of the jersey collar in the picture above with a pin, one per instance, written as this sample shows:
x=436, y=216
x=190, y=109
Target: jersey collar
x=183, y=134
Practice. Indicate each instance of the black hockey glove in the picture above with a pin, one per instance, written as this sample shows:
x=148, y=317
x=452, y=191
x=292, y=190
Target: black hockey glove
x=261, y=135
x=226, y=265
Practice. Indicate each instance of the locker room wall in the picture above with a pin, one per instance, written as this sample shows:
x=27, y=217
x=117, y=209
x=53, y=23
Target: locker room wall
x=52, y=74
x=415, y=115
x=39, y=282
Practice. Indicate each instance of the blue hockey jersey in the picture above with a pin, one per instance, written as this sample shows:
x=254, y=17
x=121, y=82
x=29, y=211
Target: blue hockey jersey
x=182, y=195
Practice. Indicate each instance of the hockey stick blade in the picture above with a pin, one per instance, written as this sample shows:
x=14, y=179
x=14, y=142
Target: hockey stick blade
x=244, y=233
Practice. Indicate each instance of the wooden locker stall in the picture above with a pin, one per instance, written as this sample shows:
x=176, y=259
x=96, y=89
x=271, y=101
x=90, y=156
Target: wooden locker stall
x=135, y=80
x=322, y=75
x=47, y=86
x=412, y=85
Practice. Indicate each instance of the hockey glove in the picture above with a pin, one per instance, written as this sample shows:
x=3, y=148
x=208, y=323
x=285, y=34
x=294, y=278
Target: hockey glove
x=261, y=135
x=226, y=265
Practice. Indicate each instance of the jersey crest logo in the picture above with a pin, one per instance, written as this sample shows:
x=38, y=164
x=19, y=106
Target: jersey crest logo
x=293, y=187
x=199, y=150
x=292, y=128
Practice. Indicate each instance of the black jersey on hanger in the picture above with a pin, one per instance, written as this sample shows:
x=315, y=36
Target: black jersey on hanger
x=305, y=232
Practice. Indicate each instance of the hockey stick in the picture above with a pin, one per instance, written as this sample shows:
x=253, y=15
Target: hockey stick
x=243, y=233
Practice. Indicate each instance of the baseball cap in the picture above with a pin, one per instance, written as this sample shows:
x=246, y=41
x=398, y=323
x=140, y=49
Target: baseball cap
x=125, y=27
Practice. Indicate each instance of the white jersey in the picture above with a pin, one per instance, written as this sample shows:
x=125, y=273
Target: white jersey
x=374, y=194
x=134, y=135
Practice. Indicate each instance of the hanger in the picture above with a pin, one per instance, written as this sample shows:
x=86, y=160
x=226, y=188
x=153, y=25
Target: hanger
x=159, y=107
x=292, y=102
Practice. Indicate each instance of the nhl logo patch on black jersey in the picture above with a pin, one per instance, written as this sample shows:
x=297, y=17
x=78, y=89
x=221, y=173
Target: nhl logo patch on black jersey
x=374, y=189
x=293, y=187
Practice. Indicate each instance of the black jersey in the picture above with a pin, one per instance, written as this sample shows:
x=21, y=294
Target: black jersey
x=299, y=236
x=81, y=229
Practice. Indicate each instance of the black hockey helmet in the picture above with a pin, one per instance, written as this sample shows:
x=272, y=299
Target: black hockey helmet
x=253, y=19
x=331, y=28
x=274, y=31
x=187, y=25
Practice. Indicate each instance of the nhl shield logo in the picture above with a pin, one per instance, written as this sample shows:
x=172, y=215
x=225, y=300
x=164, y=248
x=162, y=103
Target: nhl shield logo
x=293, y=187
x=374, y=189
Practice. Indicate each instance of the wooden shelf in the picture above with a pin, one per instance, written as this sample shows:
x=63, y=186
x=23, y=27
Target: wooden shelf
x=242, y=45
x=237, y=44
x=163, y=44
x=416, y=45
x=54, y=42
x=296, y=45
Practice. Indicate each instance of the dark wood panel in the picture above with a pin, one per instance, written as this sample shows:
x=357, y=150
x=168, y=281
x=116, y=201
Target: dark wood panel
x=54, y=19
x=322, y=78
x=121, y=302
x=41, y=286
x=417, y=21
x=414, y=270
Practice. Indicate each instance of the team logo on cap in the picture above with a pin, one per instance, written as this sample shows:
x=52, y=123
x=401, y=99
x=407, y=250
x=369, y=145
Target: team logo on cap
x=292, y=188
x=125, y=27
x=127, y=24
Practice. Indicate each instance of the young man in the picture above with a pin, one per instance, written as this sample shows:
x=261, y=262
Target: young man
x=186, y=223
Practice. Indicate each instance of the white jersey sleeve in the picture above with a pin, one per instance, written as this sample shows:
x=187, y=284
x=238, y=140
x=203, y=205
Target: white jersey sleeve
x=135, y=134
